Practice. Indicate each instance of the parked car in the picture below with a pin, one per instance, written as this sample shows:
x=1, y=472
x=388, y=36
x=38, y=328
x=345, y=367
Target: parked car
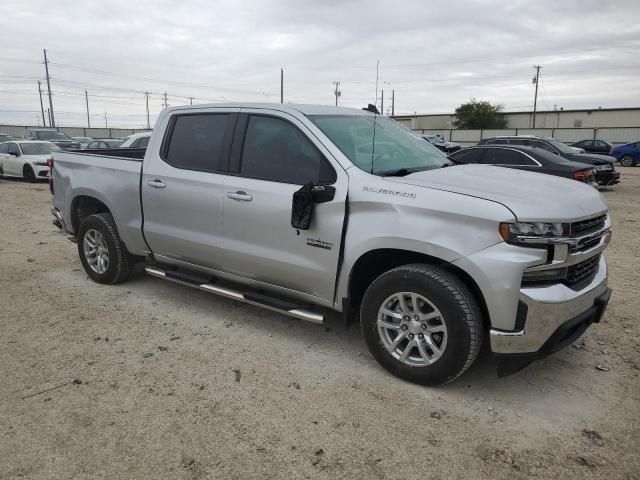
x=606, y=173
x=26, y=159
x=594, y=146
x=83, y=141
x=102, y=143
x=302, y=208
x=137, y=140
x=61, y=139
x=440, y=144
x=529, y=159
x=628, y=154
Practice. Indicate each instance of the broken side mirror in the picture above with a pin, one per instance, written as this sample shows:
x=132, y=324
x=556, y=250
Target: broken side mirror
x=303, y=200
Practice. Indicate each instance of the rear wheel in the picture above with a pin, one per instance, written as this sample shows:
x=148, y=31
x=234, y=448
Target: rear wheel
x=626, y=161
x=422, y=324
x=28, y=174
x=103, y=255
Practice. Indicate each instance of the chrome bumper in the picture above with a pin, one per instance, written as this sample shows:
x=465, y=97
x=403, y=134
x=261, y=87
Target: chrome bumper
x=547, y=309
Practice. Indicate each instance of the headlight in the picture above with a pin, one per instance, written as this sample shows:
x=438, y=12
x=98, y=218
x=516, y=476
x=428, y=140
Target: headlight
x=600, y=168
x=528, y=232
x=40, y=163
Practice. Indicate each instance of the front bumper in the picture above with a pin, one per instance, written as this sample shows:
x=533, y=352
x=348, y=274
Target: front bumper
x=553, y=317
x=607, y=177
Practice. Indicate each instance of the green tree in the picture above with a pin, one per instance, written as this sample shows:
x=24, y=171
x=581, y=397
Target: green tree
x=477, y=115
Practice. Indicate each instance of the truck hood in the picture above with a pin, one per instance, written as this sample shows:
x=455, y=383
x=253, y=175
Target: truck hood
x=529, y=196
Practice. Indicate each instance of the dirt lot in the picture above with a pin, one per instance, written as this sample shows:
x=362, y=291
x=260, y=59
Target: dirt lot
x=155, y=380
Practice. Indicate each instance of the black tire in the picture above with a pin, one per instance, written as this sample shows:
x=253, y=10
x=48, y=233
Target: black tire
x=28, y=174
x=626, y=161
x=460, y=313
x=121, y=263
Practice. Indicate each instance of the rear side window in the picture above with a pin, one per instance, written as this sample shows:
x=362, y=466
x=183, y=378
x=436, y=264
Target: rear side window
x=196, y=141
x=4, y=148
x=277, y=151
x=503, y=156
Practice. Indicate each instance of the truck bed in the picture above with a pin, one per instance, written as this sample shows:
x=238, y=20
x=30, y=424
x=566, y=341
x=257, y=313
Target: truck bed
x=111, y=176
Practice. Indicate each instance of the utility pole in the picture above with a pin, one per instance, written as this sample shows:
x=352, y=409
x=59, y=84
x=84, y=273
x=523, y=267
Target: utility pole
x=166, y=103
x=337, y=91
x=44, y=124
x=190, y=100
x=382, y=103
x=281, y=85
x=146, y=94
x=105, y=120
x=52, y=121
x=377, y=69
x=393, y=102
x=86, y=98
x=535, y=98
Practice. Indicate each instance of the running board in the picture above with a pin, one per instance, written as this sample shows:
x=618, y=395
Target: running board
x=251, y=298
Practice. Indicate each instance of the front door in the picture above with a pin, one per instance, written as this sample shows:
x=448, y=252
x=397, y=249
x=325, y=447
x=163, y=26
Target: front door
x=182, y=188
x=272, y=158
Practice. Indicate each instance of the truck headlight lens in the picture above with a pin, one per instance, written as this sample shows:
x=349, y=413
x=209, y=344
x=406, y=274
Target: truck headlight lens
x=511, y=231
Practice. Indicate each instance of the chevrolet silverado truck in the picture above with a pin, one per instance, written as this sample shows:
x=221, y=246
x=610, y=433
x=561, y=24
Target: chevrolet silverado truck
x=307, y=209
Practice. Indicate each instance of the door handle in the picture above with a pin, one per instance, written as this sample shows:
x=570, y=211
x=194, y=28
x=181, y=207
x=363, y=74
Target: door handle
x=156, y=184
x=241, y=196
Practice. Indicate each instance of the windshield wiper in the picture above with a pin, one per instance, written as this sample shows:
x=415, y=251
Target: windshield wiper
x=400, y=172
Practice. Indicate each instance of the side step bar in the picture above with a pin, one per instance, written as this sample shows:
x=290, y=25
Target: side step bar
x=251, y=298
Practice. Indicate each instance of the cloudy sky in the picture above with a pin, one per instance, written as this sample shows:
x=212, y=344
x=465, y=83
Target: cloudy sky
x=435, y=55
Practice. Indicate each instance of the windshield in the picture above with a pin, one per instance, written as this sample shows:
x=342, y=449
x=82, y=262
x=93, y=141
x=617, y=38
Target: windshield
x=36, y=148
x=435, y=139
x=51, y=136
x=559, y=145
x=386, y=148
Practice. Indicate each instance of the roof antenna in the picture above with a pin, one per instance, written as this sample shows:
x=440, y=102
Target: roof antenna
x=371, y=108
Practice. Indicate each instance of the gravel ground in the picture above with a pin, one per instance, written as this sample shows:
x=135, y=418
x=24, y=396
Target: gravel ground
x=154, y=380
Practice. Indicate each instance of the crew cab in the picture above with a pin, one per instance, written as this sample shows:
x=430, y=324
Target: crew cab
x=305, y=209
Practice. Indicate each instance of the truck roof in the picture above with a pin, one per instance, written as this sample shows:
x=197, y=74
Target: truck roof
x=283, y=107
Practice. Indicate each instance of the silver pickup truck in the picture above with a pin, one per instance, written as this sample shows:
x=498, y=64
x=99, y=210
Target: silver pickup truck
x=304, y=209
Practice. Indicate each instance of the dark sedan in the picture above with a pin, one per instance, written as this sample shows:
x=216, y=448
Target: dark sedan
x=530, y=159
x=594, y=146
x=605, y=172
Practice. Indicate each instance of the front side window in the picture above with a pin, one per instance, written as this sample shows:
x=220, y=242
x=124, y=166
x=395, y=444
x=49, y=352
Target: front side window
x=276, y=150
x=503, y=156
x=13, y=149
x=197, y=141
x=379, y=145
x=467, y=155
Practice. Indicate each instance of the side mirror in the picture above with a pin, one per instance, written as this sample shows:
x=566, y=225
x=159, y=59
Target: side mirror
x=14, y=154
x=303, y=201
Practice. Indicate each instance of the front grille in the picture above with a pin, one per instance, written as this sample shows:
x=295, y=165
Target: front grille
x=584, y=227
x=581, y=274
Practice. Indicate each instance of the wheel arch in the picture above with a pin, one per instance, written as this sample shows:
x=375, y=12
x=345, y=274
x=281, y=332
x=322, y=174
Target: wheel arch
x=373, y=263
x=84, y=205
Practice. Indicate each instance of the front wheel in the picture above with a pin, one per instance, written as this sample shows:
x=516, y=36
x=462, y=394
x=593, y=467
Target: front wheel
x=103, y=255
x=626, y=161
x=422, y=324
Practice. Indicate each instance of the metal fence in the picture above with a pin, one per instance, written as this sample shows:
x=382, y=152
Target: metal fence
x=615, y=135
x=18, y=131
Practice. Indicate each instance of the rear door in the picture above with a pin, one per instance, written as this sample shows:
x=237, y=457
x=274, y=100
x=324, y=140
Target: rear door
x=273, y=156
x=182, y=187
